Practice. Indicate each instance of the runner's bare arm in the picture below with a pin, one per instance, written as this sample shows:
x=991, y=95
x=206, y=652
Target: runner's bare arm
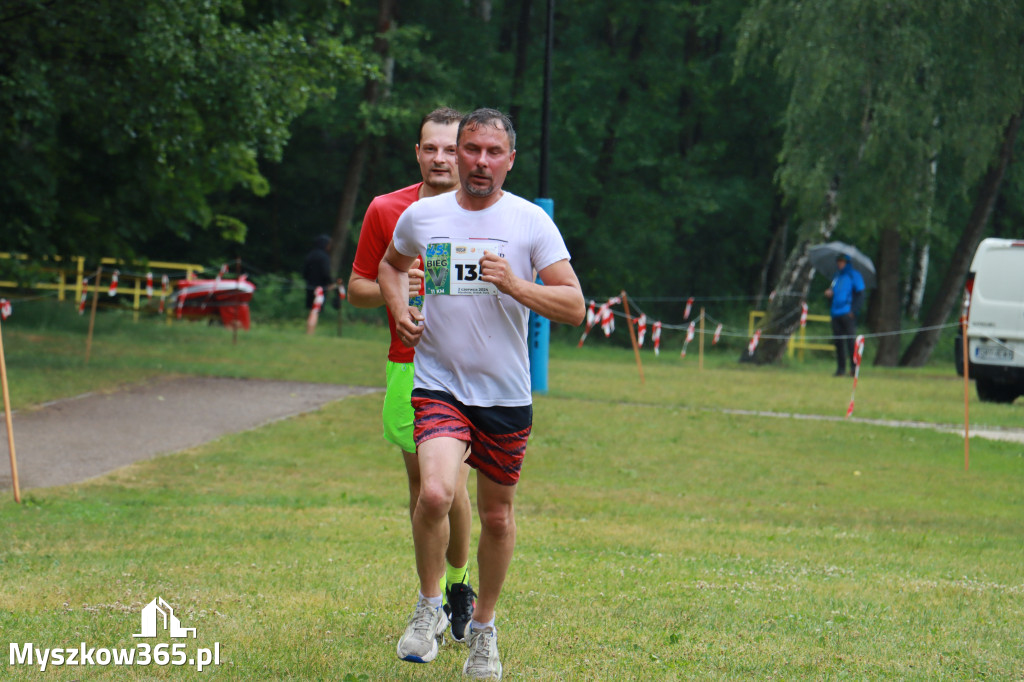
x=559, y=300
x=365, y=293
x=393, y=278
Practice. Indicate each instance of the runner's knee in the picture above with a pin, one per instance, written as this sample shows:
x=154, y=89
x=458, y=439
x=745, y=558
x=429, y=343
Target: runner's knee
x=435, y=498
x=498, y=519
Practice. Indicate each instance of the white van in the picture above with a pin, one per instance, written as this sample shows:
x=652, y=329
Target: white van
x=994, y=306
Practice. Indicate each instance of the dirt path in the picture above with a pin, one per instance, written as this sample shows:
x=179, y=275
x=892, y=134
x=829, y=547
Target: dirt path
x=71, y=440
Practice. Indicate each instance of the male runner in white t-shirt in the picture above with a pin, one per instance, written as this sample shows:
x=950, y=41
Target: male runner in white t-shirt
x=481, y=247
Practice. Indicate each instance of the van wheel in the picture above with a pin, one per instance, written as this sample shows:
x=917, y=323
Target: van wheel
x=992, y=392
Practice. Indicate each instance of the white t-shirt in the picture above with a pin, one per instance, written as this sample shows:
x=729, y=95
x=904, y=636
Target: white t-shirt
x=474, y=339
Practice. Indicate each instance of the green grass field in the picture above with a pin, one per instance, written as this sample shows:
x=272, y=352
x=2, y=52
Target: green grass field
x=661, y=534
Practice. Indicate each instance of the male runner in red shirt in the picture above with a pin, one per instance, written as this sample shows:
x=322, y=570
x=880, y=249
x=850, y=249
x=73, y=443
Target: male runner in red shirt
x=435, y=154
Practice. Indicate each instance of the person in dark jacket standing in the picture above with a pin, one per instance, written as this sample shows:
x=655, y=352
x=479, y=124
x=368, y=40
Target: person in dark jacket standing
x=316, y=270
x=846, y=294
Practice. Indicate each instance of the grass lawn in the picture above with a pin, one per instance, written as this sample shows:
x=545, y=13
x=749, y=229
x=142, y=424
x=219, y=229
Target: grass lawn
x=661, y=534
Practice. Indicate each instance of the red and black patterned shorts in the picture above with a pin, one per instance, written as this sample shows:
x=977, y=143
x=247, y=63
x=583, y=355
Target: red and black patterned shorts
x=497, y=435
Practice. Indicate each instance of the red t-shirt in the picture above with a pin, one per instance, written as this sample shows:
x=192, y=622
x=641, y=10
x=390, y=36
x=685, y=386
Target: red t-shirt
x=378, y=227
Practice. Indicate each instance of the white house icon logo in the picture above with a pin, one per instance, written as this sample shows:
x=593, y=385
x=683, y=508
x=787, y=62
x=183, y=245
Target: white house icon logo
x=151, y=615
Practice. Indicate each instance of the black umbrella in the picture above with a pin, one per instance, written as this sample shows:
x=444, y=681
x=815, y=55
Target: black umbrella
x=823, y=259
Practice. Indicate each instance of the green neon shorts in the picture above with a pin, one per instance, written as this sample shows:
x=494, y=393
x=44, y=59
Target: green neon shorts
x=398, y=412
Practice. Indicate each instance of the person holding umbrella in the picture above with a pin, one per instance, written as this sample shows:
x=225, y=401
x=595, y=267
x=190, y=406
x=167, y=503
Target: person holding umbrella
x=846, y=295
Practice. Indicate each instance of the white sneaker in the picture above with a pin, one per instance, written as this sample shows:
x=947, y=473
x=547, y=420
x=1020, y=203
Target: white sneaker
x=483, y=662
x=426, y=628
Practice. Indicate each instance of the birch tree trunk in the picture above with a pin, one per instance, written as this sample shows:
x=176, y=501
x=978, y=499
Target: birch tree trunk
x=783, y=314
x=921, y=347
x=919, y=258
x=920, y=252
x=774, y=261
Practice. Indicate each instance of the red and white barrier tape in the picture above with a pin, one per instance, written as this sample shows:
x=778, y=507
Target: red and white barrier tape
x=689, y=337
x=752, y=346
x=858, y=354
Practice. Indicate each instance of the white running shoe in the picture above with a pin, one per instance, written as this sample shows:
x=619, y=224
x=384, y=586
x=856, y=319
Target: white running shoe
x=483, y=662
x=426, y=628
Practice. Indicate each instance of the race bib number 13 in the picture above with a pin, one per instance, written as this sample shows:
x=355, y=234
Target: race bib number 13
x=453, y=268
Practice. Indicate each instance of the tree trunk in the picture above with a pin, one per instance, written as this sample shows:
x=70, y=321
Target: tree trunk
x=919, y=254
x=373, y=93
x=782, y=317
x=783, y=314
x=775, y=260
x=918, y=259
x=886, y=310
x=921, y=347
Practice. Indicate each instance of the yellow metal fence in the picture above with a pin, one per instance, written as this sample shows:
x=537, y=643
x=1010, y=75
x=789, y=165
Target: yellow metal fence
x=69, y=277
x=797, y=340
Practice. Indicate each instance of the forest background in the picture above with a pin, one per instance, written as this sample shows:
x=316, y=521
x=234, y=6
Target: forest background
x=697, y=149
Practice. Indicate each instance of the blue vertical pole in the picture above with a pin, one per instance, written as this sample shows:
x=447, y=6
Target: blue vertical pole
x=540, y=330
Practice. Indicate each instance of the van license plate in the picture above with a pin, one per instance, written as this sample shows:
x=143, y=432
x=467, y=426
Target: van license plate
x=993, y=353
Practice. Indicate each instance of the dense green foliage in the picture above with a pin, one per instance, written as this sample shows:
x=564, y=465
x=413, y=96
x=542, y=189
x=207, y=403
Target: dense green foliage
x=118, y=125
x=228, y=129
x=879, y=91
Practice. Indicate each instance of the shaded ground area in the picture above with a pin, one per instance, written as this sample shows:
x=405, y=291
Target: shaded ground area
x=67, y=441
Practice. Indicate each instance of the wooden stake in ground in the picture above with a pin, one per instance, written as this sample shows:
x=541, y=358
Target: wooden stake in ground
x=7, y=414
x=967, y=396
x=632, y=336
x=92, y=315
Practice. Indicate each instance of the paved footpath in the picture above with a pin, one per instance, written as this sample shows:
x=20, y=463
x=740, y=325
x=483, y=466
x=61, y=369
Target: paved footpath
x=71, y=440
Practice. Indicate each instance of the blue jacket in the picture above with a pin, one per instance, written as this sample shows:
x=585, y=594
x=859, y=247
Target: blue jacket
x=847, y=291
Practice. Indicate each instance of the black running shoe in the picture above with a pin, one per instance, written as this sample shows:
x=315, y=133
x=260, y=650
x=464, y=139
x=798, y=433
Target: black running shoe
x=461, y=601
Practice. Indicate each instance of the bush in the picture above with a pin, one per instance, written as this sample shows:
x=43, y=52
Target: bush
x=278, y=298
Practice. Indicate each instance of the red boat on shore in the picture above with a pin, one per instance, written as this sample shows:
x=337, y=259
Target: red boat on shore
x=227, y=299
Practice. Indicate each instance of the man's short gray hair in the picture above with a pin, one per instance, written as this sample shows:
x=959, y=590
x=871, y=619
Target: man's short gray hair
x=493, y=118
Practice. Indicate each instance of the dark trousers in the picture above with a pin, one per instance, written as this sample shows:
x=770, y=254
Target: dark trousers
x=844, y=329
